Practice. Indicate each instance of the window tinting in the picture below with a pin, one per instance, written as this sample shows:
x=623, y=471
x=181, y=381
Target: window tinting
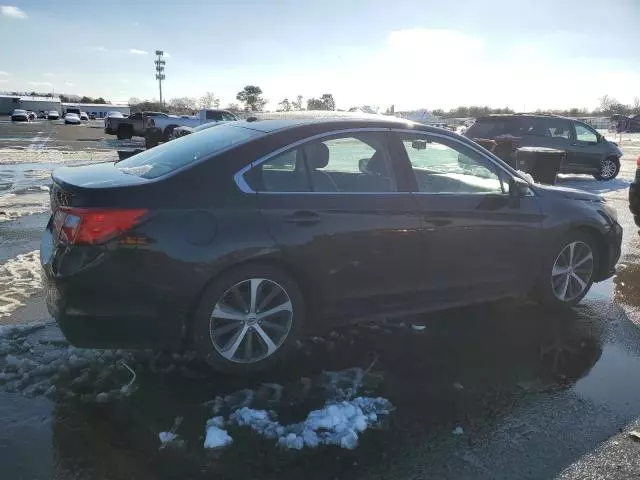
x=177, y=153
x=489, y=128
x=441, y=166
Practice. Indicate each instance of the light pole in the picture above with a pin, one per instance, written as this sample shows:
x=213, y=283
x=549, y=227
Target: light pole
x=160, y=71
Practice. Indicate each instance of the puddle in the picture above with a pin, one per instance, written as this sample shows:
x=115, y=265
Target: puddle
x=467, y=368
x=608, y=383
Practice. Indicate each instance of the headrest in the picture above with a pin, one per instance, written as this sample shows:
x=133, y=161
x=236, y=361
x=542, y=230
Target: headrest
x=317, y=155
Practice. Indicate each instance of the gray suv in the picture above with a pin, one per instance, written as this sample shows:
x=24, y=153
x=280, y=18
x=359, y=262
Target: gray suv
x=587, y=150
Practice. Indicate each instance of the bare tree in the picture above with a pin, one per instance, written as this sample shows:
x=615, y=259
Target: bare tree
x=285, y=105
x=209, y=100
x=636, y=106
x=297, y=104
x=183, y=105
x=233, y=107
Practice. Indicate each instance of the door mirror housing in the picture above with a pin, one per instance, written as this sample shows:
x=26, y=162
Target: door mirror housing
x=518, y=188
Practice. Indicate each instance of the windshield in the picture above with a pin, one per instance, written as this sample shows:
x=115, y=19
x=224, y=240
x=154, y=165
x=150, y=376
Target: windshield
x=186, y=150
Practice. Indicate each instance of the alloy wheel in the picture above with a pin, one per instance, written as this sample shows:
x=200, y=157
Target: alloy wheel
x=608, y=168
x=572, y=271
x=251, y=320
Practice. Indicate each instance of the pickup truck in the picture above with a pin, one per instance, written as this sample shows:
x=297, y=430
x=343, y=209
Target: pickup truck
x=132, y=126
x=167, y=123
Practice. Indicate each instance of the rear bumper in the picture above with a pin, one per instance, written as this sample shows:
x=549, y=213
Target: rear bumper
x=612, y=253
x=97, y=308
x=634, y=200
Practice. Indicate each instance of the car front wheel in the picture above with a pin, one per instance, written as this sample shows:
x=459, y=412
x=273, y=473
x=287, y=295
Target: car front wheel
x=609, y=168
x=248, y=319
x=568, y=270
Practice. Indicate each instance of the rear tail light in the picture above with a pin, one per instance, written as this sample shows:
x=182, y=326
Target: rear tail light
x=638, y=161
x=88, y=226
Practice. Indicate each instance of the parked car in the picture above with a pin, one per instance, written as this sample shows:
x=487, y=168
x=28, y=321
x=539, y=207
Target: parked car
x=42, y=114
x=92, y=116
x=302, y=225
x=587, y=150
x=167, y=123
x=19, y=115
x=71, y=119
x=32, y=115
x=634, y=194
x=84, y=116
x=128, y=127
x=53, y=115
x=75, y=110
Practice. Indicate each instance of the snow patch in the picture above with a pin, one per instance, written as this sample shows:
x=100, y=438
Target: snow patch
x=19, y=279
x=337, y=423
x=215, y=435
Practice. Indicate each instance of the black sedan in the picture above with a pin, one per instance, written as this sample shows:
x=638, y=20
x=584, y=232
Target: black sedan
x=236, y=240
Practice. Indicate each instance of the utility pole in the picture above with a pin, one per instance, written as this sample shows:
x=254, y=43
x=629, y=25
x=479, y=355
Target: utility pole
x=160, y=72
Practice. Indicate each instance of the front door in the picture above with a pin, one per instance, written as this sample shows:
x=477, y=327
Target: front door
x=477, y=243
x=585, y=152
x=336, y=210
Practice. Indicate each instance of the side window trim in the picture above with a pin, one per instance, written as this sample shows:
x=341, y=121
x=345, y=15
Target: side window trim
x=245, y=188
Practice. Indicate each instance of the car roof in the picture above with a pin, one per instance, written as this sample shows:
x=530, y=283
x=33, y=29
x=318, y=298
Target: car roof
x=511, y=116
x=271, y=124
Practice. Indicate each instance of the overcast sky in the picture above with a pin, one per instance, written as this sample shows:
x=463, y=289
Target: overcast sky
x=411, y=53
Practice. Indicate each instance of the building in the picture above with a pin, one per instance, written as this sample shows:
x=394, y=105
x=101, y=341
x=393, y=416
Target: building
x=100, y=110
x=8, y=103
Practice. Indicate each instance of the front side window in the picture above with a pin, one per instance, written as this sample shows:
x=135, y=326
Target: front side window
x=350, y=163
x=443, y=166
x=585, y=134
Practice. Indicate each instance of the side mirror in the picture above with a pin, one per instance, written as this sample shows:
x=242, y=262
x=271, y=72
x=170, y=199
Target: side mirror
x=518, y=188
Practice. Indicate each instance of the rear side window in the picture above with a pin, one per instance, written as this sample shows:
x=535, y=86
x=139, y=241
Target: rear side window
x=347, y=163
x=213, y=115
x=488, y=128
x=177, y=153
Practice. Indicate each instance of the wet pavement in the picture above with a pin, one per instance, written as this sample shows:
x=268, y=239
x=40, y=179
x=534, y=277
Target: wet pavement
x=505, y=390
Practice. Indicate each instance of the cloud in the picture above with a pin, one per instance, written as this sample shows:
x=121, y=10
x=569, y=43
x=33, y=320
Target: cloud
x=3, y=73
x=167, y=55
x=3, y=80
x=136, y=24
x=11, y=11
x=98, y=49
x=41, y=84
x=135, y=51
x=69, y=84
x=124, y=80
x=48, y=74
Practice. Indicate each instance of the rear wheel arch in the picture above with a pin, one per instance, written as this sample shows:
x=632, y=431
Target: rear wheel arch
x=310, y=294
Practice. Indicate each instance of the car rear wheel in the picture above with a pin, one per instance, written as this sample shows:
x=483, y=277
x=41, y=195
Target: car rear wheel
x=568, y=271
x=609, y=168
x=248, y=319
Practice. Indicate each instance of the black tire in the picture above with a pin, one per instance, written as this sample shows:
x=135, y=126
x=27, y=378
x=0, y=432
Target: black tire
x=215, y=292
x=124, y=133
x=152, y=137
x=606, y=166
x=544, y=287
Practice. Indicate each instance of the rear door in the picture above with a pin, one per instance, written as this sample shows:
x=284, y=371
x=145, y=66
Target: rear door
x=477, y=243
x=337, y=210
x=584, y=153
